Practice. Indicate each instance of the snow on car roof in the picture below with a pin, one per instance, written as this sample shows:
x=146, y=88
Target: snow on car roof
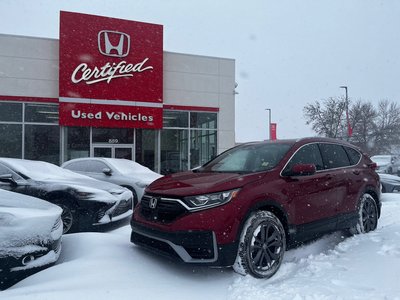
x=39, y=170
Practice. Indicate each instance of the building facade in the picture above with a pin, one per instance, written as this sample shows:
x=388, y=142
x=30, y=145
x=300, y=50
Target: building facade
x=182, y=116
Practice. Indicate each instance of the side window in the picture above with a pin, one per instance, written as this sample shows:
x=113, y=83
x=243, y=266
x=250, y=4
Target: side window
x=308, y=154
x=353, y=155
x=5, y=170
x=96, y=167
x=334, y=156
x=79, y=166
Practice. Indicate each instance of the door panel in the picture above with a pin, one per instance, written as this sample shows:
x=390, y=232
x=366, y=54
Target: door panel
x=123, y=153
x=102, y=152
x=113, y=151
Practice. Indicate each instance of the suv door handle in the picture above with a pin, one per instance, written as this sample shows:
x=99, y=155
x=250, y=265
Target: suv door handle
x=356, y=172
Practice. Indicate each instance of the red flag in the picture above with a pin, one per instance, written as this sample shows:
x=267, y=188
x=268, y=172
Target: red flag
x=272, y=131
x=349, y=129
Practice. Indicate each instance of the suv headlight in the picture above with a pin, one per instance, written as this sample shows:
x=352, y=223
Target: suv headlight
x=210, y=200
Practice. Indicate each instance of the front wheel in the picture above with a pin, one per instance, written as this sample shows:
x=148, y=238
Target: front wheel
x=262, y=246
x=367, y=215
x=68, y=217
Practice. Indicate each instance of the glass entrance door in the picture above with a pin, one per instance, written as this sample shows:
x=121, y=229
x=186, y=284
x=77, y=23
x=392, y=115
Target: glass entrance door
x=113, y=151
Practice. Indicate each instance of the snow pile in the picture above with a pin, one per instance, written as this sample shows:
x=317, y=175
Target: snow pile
x=108, y=266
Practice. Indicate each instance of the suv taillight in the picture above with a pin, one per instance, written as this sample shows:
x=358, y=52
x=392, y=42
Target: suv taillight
x=372, y=165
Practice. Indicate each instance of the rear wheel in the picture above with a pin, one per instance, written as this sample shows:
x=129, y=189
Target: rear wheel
x=262, y=246
x=367, y=215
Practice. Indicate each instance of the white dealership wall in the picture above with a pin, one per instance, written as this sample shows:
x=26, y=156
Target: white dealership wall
x=29, y=67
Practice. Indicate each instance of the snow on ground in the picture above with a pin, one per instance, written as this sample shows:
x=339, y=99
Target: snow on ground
x=108, y=266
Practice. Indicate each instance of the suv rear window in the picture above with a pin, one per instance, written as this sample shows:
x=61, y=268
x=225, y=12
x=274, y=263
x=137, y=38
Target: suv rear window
x=353, y=154
x=334, y=156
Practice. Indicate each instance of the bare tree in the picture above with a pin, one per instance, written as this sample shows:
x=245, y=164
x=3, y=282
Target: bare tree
x=387, y=133
x=362, y=119
x=375, y=131
x=326, y=118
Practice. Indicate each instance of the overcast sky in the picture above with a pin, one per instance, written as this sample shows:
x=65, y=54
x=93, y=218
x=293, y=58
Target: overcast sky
x=288, y=53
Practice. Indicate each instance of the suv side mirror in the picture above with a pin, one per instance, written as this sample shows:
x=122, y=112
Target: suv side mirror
x=107, y=171
x=303, y=169
x=8, y=178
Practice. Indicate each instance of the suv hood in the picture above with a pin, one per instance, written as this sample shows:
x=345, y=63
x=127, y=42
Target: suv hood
x=195, y=183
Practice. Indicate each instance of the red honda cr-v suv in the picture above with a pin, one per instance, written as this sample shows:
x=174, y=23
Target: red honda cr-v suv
x=248, y=205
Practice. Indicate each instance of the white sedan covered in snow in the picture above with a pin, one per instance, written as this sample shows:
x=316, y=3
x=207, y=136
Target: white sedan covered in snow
x=30, y=232
x=123, y=172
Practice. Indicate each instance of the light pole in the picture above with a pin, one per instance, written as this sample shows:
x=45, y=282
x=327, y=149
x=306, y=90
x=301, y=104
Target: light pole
x=347, y=113
x=269, y=121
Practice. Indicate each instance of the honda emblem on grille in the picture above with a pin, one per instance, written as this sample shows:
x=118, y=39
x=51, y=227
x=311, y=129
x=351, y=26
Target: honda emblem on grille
x=153, y=203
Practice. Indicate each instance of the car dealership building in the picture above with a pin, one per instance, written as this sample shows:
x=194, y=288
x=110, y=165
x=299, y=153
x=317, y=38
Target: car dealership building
x=107, y=88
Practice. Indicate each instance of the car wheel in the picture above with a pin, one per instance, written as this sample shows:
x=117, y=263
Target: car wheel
x=262, y=246
x=367, y=215
x=68, y=217
x=390, y=170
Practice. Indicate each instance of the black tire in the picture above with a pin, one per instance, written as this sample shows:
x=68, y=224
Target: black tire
x=367, y=215
x=390, y=170
x=69, y=217
x=262, y=246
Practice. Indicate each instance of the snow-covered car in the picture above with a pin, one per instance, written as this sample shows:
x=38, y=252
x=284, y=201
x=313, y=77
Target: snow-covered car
x=388, y=164
x=86, y=202
x=390, y=183
x=123, y=172
x=30, y=232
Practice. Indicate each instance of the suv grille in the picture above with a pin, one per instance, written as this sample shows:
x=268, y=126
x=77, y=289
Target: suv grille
x=166, y=210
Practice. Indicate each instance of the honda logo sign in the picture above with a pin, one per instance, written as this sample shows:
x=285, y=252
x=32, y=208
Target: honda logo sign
x=118, y=46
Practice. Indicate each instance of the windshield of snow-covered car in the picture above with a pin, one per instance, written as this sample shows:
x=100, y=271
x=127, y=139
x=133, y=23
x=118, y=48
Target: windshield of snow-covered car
x=248, y=158
x=381, y=159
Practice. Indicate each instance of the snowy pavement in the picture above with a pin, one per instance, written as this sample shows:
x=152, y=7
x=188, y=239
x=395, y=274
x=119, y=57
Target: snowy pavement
x=108, y=266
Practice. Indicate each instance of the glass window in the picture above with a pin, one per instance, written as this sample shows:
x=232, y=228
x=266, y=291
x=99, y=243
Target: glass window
x=308, y=154
x=11, y=140
x=10, y=112
x=203, y=146
x=41, y=113
x=76, y=142
x=334, y=156
x=353, y=154
x=175, y=119
x=42, y=142
x=113, y=135
x=146, y=145
x=248, y=158
x=203, y=120
x=4, y=170
x=102, y=152
x=79, y=166
x=174, y=150
x=95, y=167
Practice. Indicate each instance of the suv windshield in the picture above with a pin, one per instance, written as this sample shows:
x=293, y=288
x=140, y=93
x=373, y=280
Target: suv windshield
x=248, y=158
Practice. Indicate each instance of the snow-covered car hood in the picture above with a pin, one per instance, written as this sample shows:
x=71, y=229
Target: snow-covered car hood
x=25, y=220
x=141, y=175
x=392, y=179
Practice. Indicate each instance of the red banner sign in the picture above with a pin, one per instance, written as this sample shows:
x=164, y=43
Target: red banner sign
x=272, y=131
x=109, y=68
